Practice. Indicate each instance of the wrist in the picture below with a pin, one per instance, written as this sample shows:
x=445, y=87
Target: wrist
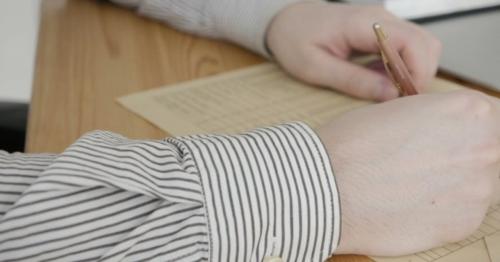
x=246, y=22
x=273, y=28
x=348, y=189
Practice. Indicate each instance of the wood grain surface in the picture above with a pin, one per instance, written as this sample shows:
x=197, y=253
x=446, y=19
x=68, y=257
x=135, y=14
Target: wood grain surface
x=91, y=52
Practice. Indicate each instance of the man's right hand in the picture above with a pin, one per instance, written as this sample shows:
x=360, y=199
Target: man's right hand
x=415, y=172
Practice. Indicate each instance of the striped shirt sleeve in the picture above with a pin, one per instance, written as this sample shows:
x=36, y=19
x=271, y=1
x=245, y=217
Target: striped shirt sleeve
x=17, y=173
x=240, y=21
x=268, y=192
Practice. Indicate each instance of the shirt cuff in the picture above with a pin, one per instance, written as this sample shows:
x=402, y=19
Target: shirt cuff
x=246, y=22
x=268, y=192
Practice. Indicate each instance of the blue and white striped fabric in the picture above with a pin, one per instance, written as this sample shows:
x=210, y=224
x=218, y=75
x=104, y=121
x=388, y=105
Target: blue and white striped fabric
x=269, y=192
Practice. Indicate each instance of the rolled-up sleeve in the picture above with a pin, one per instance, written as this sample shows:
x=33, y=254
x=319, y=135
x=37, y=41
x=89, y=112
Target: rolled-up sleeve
x=240, y=21
x=268, y=192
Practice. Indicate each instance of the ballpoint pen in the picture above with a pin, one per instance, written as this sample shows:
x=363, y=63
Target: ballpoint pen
x=394, y=65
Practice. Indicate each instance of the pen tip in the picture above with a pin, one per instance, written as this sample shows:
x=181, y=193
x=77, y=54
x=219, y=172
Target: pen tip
x=376, y=25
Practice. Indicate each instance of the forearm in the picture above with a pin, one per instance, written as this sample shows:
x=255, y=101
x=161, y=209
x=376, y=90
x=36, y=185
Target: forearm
x=239, y=21
x=270, y=192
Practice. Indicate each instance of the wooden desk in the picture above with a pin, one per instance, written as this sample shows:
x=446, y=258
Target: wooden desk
x=91, y=52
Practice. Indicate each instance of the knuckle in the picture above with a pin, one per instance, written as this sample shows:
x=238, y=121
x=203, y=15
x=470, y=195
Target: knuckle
x=465, y=96
x=469, y=102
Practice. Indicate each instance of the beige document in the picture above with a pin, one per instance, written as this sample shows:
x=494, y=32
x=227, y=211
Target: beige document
x=493, y=243
x=240, y=100
x=475, y=252
x=263, y=95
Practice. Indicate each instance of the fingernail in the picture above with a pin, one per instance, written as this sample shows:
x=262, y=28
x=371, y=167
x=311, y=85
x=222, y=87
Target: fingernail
x=387, y=91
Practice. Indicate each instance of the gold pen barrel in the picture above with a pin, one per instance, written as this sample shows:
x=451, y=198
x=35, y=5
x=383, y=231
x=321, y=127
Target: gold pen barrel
x=393, y=63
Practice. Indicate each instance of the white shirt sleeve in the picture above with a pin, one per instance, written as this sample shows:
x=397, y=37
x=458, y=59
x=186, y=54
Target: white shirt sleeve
x=268, y=192
x=243, y=22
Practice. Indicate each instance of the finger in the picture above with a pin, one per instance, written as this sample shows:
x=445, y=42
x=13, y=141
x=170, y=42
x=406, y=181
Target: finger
x=419, y=49
x=330, y=71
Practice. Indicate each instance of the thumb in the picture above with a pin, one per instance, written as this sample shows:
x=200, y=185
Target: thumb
x=350, y=78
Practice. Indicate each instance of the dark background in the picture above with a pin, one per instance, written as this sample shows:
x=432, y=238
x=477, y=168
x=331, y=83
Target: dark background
x=13, y=121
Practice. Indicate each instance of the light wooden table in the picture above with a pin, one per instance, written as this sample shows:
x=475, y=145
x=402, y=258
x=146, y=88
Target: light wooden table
x=91, y=52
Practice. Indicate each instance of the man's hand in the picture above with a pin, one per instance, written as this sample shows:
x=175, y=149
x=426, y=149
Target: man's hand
x=415, y=172
x=313, y=42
